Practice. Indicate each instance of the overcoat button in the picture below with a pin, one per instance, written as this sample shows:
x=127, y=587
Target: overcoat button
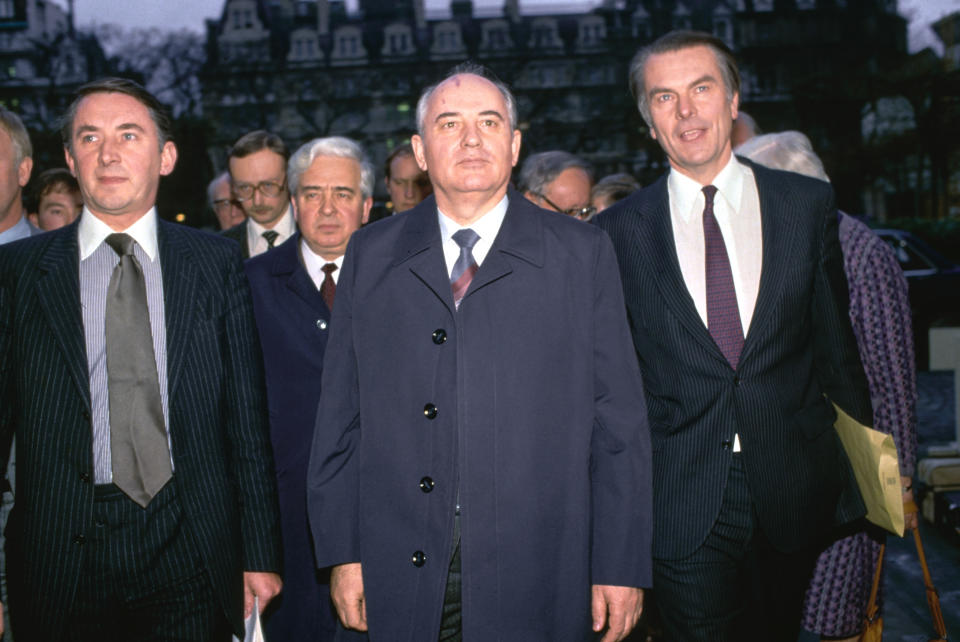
x=321, y=324
x=439, y=336
x=426, y=484
x=85, y=478
x=79, y=539
x=430, y=411
x=418, y=559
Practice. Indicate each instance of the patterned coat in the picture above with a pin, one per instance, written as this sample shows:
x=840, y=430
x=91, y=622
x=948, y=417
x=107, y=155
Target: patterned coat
x=880, y=313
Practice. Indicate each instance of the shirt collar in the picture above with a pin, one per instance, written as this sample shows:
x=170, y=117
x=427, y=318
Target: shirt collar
x=486, y=226
x=93, y=231
x=20, y=230
x=285, y=227
x=684, y=191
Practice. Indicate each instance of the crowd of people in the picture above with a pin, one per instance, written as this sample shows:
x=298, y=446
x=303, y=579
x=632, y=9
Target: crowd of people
x=479, y=418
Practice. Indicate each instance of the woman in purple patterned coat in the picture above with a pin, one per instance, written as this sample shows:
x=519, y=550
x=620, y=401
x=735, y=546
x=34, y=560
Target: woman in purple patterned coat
x=837, y=597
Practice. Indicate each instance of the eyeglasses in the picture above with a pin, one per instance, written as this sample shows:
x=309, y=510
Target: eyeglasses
x=582, y=213
x=222, y=204
x=244, y=192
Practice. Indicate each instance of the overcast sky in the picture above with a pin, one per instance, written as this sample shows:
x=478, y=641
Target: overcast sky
x=177, y=14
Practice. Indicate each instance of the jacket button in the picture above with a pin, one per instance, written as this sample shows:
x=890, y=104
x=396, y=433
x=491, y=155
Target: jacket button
x=321, y=324
x=736, y=380
x=439, y=336
x=418, y=559
x=85, y=478
x=426, y=484
x=79, y=539
x=727, y=444
x=430, y=411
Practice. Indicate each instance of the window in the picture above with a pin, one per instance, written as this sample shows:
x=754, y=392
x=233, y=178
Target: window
x=7, y=9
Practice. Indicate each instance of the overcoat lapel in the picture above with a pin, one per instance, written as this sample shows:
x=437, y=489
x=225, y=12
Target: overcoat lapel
x=288, y=267
x=654, y=240
x=180, y=276
x=420, y=247
x=58, y=291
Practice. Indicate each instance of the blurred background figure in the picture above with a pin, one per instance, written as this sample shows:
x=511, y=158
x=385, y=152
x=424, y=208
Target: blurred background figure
x=221, y=201
x=558, y=181
x=258, y=178
x=611, y=189
x=836, y=600
x=744, y=128
x=16, y=163
x=55, y=200
x=407, y=184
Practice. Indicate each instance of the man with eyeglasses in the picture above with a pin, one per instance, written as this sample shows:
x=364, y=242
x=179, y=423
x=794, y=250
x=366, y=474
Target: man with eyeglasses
x=558, y=181
x=225, y=207
x=258, y=175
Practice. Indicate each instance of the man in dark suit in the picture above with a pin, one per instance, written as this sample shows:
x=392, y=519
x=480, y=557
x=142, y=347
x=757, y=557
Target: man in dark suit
x=480, y=460
x=131, y=375
x=258, y=179
x=738, y=302
x=293, y=291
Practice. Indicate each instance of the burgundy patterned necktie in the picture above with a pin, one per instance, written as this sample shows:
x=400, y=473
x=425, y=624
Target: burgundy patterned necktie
x=466, y=266
x=723, y=315
x=328, y=289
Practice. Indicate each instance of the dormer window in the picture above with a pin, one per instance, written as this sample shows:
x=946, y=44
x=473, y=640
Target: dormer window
x=592, y=31
x=681, y=17
x=446, y=39
x=763, y=5
x=495, y=36
x=543, y=34
x=348, y=44
x=304, y=45
x=397, y=41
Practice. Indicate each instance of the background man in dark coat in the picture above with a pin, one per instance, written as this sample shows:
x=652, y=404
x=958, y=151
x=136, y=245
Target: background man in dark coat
x=331, y=180
x=480, y=461
x=738, y=302
x=89, y=558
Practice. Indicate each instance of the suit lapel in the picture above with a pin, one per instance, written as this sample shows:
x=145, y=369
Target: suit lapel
x=778, y=227
x=58, y=291
x=178, y=267
x=655, y=240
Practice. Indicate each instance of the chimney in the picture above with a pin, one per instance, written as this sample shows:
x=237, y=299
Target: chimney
x=511, y=9
x=461, y=8
x=323, y=17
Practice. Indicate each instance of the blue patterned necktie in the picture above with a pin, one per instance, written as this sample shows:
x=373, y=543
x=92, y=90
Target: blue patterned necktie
x=466, y=266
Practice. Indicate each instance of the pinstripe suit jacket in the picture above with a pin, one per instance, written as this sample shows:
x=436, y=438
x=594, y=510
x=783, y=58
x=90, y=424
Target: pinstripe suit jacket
x=799, y=348
x=218, y=429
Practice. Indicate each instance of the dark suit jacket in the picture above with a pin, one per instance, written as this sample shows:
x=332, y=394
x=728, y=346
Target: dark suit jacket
x=220, y=447
x=239, y=234
x=528, y=399
x=293, y=322
x=799, y=348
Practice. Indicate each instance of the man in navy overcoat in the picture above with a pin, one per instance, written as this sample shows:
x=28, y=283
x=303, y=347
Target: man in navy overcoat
x=331, y=180
x=480, y=465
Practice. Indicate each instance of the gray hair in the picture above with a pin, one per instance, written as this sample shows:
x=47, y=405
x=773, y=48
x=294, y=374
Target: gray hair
x=212, y=185
x=474, y=70
x=615, y=187
x=11, y=123
x=337, y=146
x=675, y=41
x=790, y=150
x=539, y=170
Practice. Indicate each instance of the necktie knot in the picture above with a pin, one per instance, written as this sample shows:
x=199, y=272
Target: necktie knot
x=329, y=268
x=709, y=191
x=466, y=238
x=121, y=243
x=271, y=236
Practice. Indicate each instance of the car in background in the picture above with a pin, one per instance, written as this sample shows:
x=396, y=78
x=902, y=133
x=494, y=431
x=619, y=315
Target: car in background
x=934, y=282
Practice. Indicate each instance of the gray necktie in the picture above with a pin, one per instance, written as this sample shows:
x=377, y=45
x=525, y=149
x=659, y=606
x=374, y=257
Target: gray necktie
x=466, y=266
x=140, y=455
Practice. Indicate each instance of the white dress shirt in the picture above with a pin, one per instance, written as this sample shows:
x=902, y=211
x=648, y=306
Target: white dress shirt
x=487, y=227
x=285, y=228
x=736, y=207
x=314, y=264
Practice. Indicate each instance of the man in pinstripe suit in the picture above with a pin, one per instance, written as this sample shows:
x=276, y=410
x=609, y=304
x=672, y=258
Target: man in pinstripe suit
x=736, y=293
x=88, y=560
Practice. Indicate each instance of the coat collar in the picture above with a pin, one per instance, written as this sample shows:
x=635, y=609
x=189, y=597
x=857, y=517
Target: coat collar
x=420, y=245
x=286, y=264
